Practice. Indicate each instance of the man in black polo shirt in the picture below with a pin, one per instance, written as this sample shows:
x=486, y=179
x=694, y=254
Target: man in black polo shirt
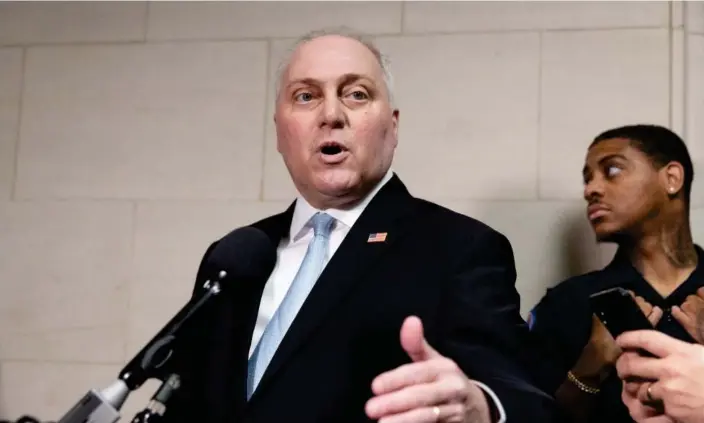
x=637, y=182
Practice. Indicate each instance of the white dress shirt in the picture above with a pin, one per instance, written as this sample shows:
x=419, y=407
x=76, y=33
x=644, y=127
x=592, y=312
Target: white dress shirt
x=292, y=249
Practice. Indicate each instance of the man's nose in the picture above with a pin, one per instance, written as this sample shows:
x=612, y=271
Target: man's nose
x=333, y=114
x=594, y=188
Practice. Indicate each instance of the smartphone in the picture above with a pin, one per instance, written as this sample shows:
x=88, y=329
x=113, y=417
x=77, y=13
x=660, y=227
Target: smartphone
x=618, y=311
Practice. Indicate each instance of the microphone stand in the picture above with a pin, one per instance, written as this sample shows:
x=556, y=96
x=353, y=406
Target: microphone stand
x=99, y=406
x=150, y=363
x=156, y=407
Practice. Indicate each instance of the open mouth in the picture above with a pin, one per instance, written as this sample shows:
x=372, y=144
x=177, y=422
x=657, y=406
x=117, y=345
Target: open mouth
x=333, y=153
x=332, y=148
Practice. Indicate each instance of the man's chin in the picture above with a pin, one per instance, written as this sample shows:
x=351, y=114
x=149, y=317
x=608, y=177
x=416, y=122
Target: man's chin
x=334, y=181
x=607, y=236
x=337, y=186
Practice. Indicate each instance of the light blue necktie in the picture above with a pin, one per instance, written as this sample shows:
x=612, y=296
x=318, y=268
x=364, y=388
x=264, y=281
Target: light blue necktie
x=307, y=275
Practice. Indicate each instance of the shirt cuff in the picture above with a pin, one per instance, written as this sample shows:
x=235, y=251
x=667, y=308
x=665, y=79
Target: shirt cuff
x=495, y=400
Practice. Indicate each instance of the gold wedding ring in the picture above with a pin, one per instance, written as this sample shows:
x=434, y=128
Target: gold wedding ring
x=649, y=393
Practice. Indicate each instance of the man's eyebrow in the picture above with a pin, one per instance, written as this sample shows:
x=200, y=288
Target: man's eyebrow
x=303, y=81
x=344, y=79
x=352, y=77
x=611, y=157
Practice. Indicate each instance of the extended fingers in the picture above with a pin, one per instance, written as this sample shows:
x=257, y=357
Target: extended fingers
x=441, y=413
x=642, y=410
x=693, y=306
x=684, y=318
x=632, y=388
x=659, y=419
x=693, y=303
x=649, y=393
x=644, y=306
x=652, y=341
x=412, y=374
x=655, y=315
x=700, y=292
x=447, y=390
x=632, y=365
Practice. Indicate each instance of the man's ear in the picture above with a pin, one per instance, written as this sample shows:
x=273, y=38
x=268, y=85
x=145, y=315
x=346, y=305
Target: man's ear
x=278, y=145
x=394, y=120
x=673, y=178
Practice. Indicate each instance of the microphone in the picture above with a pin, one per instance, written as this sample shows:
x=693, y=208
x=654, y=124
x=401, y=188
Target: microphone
x=245, y=254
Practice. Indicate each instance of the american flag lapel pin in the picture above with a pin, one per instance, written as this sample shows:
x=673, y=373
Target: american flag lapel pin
x=377, y=237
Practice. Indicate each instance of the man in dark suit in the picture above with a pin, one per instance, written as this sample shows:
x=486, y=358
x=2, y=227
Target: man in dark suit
x=367, y=279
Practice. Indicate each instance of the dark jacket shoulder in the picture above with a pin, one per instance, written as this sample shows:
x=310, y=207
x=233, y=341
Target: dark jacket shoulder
x=461, y=226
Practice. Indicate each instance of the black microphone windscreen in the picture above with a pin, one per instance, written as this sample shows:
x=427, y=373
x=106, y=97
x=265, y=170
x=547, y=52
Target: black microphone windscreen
x=245, y=253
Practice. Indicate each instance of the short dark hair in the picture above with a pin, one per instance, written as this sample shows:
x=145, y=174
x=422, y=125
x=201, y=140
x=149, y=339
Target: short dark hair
x=660, y=144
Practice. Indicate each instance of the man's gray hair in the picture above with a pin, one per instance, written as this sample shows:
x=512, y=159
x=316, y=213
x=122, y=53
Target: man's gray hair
x=347, y=33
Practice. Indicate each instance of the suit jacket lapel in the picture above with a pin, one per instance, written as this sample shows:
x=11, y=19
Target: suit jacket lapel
x=386, y=213
x=277, y=226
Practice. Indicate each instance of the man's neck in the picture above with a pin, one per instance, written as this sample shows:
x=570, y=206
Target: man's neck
x=665, y=259
x=343, y=202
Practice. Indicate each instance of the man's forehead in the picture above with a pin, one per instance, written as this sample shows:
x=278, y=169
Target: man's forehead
x=332, y=56
x=610, y=147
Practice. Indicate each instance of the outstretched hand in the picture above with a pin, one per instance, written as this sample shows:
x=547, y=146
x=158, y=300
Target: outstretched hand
x=432, y=388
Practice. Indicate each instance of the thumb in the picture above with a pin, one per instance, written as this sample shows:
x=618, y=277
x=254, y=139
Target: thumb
x=655, y=316
x=413, y=341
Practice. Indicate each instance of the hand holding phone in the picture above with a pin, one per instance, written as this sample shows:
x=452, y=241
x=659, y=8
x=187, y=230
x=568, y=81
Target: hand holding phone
x=618, y=311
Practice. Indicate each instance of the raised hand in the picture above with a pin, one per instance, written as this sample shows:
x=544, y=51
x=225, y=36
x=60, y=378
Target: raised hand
x=691, y=315
x=430, y=389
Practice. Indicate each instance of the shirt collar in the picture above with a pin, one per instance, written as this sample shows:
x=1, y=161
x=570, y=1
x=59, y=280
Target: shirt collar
x=303, y=211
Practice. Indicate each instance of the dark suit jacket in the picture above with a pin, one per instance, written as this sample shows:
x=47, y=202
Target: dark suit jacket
x=452, y=271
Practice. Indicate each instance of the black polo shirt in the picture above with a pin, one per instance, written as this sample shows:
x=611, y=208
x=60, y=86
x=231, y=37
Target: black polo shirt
x=561, y=324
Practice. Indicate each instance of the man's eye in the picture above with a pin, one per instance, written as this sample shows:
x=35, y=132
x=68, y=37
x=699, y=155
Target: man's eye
x=613, y=170
x=303, y=97
x=359, y=95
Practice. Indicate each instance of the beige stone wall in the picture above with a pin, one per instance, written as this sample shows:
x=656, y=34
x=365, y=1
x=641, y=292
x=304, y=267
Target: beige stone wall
x=133, y=134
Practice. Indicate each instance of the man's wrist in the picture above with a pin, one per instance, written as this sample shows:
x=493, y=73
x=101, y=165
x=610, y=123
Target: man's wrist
x=493, y=410
x=588, y=385
x=590, y=372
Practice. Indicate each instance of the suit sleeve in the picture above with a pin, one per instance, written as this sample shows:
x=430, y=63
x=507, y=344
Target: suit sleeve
x=485, y=333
